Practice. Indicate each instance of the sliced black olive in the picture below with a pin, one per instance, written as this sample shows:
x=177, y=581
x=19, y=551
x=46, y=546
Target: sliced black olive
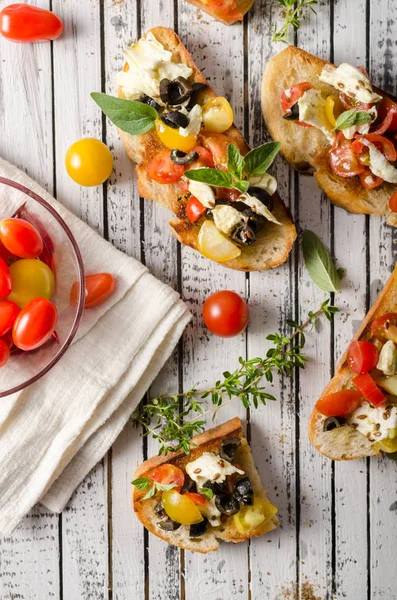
x=198, y=529
x=175, y=119
x=159, y=510
x=181, y=158
x=217, y=488
x=243, y=234
x=243, y=491
x=196, y=89
x=164, y=83
x=229, y=447
x=227, y=505
x=169, y=525
x=149, y=101
x=262, y=195
x=179, y=90
x=294, y=114
x=189, y=485
x=331, y=423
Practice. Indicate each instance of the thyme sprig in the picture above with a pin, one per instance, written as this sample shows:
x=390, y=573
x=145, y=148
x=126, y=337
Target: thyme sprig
x=173, y=419
x=293, y=14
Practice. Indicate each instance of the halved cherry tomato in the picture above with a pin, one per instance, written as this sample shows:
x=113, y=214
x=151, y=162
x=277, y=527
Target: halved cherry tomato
x=31, y=278
x=226, y=9
x=217, y=114
x=163, y=170
x=180, y=508
x=4, y=353
x=98, y=288
x=369, y=181
x=387, y=117
x=35, y=324
x=339, y=404
x=171, y=138
x=5, y=279
x=197, y=498
x=363, y=356
x=225, y=313
x=293, y=94
x=213, y=244
x=393, y=202
x=357, y=146
x=368, y=388
x=8, y=314
x=169, y=474
x=24, y=23
x=383, y=144
x=194, y=209
x=384, y=328
x=204, y=160
x=344, y=162
x=21, y=238
x=217, y=144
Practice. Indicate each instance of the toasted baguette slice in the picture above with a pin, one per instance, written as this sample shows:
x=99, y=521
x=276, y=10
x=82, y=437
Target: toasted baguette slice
x=242, y=5
x=345, y=443
x=274, y=242
x=208, y=441
x=307, y=149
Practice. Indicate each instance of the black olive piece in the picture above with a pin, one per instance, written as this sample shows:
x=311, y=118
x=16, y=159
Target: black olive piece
x=169, y=525
x=179, y=90
x=227, y=505
x=196, y=89
x=331, y=423
x=243, y=491
x=181, y=158
x=294, y=114
x=149, y=101
x=229, y=447
x=189, y=485
x=164, y=83
x=198, y=529
x=262, y=195
x=216, y=488
x=243, y=234
x=159, y=510
x=175, y=119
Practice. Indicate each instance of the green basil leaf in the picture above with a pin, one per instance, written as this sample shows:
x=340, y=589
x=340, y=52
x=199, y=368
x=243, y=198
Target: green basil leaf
x=258, y=160
x=242, y=185
x=142, y=483
x=152, y=492
x=207, y=492
x=352, y=117
x=128, y=115
x=235, y=162
x=319, y=263
x=214, y=177
x=164, y=487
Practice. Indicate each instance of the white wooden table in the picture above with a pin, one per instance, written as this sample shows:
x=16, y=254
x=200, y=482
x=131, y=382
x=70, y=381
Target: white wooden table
x=339, y=524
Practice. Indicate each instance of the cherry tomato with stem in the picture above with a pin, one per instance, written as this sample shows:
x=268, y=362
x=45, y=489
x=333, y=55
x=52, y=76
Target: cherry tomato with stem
x=225, y=313
x=5, y=279
x=168, y=474
x=368, y=388
x=384, y=328
x=98, y=289
x=24, y=23
x=4, y=353
x=362, y=356
x=194, y=209
x=339, y=404
x=21, y=238
x=8, y=315
x=35, y=324
x=163, y=170
x=197, y=498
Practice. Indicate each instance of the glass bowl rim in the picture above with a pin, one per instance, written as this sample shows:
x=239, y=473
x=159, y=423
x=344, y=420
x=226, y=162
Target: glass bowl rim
x=80, y=264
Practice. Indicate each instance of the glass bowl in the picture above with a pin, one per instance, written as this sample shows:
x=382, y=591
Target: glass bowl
x=62, y=254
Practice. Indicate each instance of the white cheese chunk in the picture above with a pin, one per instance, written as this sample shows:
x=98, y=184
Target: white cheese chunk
x=226, y=218
x=378, y=163
x=212, y=513
x=210, y=467
x=266, y=182
x=258, y=207
x=388, y=359
x=195, y=118
x=374, y=423
x=350, y=81
x=202, y=192
x=312, y=111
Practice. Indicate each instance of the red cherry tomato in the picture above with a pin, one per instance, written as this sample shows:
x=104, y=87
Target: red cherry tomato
x=197, y=498
x=226, y=9
x=163, y=170
x=387, y=117
x=368, y=388
x=339, y=404
x=369, y=181
x=204, y=160
x=35, y=324
x=217, y=144
x=344, y=162
x=21, y=238
x=393, y=202
x=5, y=279
x=4, y=353
x=293, y=94
x=362, y=357
x=227, y=194
x=225, y=313
x=24, y=23
x=98, y=289
x=169, y=474
x=8, y=314
x=194, y=209
x=383, y=144
x=352, y=103
x=384, y=328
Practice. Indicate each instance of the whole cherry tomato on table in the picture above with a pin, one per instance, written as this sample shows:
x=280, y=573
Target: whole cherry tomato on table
x=98, y=288
x=168, y=474
x=339, y=404
x=4, y=353
x=8, y=314
x=31, y=279
x=89, y=162
x=5, y=279
x=21, y=238
x=225, y=313
x=24, y=23
x=368, y=388
x=35, y=324
x=362, y=356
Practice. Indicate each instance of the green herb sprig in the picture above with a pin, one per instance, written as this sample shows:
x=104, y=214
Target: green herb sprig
x=144, y=483
x=174, y=428
x=293, y=15
x=351, y=118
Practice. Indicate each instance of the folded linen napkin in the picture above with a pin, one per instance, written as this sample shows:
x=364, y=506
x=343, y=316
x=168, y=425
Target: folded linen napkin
x=54, y=432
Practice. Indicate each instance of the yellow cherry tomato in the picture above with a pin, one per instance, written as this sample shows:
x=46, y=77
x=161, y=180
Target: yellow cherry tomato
x=388, y=444
x=217, y=115
x=180, y=508
x=251, y=517
x=31, y=279
x=333, y=108
x=214, y=245
x=171, y=138
x=89, y=162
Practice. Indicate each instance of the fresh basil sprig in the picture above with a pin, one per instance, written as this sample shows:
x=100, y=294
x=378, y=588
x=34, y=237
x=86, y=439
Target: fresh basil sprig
x=144, y=483
x=352, y=117
x=319, y=263
x=128, y=115
x=239, y=168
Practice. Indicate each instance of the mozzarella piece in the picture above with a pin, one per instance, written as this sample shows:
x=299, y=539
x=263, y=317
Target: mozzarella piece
x=202, y=192
x=210, y=467
x=379, y=165
x=388, y=359
x=226, y=218
x=195, y=118
x=312, y=111
x=258, y=207
x=350, y=81
x=212, y=513
x=266, y=182
x=374, y=423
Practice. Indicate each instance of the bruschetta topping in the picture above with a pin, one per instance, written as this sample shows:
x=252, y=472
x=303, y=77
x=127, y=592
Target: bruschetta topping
x=351, y=81
x=375, y=423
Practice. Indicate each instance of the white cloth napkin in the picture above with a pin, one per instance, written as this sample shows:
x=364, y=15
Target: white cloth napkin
x=54, y=432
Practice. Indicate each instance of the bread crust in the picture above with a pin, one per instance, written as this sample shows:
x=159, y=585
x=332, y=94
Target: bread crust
x=208, y=441
x=345, y=443
x=242, y=5
x=274, y=242
x=307, y=149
